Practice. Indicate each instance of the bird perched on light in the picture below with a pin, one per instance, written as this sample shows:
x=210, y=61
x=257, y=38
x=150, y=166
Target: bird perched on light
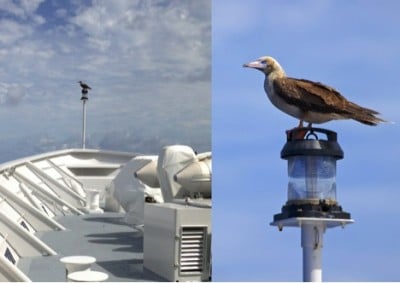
x=306, y=100
x=84, y=86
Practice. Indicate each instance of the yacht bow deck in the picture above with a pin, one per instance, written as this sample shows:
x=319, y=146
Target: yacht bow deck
x=118, y=249
x=50, y=209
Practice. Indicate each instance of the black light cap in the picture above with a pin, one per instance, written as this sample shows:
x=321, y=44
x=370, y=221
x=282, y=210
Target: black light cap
x=314, y=142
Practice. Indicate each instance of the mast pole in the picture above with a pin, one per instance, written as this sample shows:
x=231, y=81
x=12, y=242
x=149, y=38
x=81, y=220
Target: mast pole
x=312, y=242
x=84, y=98
x=84, y=125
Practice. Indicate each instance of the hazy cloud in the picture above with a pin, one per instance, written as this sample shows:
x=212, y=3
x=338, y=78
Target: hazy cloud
x=11, y=31
x=14, y=95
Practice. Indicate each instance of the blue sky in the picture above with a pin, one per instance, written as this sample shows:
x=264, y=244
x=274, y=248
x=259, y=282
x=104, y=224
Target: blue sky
x=350, y=45
x=148, y=63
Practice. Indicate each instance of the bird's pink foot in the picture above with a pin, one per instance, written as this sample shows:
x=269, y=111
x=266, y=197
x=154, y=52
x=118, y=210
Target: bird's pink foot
x=299, y=132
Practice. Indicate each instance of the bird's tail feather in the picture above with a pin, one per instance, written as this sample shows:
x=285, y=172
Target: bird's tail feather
x=371, y=121
x=364, y=115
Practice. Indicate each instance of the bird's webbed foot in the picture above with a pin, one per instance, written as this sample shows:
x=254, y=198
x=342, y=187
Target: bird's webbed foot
x=299, y=132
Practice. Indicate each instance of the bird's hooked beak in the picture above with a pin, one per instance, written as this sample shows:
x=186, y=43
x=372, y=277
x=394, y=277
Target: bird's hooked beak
x=256, y=65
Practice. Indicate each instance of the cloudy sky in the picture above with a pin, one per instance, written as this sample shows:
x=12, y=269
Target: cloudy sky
x=351, y=45
x=147, y=61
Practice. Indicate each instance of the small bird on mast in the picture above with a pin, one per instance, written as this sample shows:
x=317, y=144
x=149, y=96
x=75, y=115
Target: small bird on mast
x=306, y=100
x=84, y=86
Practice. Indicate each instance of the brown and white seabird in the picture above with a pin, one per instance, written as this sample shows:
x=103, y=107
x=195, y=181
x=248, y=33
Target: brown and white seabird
x=306, y=100
x=84, y=86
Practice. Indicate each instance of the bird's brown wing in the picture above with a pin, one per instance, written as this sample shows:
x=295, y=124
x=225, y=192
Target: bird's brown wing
x=317, y=97
x=309, y=95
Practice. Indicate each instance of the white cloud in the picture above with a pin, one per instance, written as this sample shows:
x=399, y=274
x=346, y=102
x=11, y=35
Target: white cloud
x=23, y=9
x=157, y=37
x=30, y=6
x=14, y=95
x=61, y=13
x=11, y=31
x=99, y=44
x=10, y=7
x=11, y=95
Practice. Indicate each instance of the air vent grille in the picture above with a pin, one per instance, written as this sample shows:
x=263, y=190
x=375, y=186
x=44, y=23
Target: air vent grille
x=193, y=249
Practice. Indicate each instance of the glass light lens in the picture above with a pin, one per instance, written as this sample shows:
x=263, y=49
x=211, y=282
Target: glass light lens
x=312, y=178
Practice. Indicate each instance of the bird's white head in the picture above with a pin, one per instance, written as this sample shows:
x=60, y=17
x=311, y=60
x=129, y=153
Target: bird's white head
x=267, y=65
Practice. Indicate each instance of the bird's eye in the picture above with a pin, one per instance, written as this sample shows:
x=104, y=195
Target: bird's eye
x=264, y=62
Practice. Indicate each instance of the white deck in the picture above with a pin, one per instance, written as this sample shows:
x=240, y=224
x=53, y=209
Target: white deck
x=118, y=249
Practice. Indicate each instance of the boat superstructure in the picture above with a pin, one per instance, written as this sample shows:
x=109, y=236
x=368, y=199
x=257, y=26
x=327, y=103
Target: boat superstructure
x=107, y=205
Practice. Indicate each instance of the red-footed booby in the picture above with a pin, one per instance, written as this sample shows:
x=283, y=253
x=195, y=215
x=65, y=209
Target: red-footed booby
x=84, y=86
x=306, y=100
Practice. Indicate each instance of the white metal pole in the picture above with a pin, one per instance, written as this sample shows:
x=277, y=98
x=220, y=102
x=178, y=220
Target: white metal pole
x=84, y=125
x=312, y=242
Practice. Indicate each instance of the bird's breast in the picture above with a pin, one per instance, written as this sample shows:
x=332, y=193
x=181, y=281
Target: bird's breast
x=279, y=103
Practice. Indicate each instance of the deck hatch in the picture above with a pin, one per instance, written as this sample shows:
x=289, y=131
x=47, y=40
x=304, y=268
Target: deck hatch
x=192, y=249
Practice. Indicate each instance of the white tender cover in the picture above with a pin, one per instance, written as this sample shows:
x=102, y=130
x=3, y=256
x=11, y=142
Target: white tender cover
x=173, y=159
x=131, y=192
